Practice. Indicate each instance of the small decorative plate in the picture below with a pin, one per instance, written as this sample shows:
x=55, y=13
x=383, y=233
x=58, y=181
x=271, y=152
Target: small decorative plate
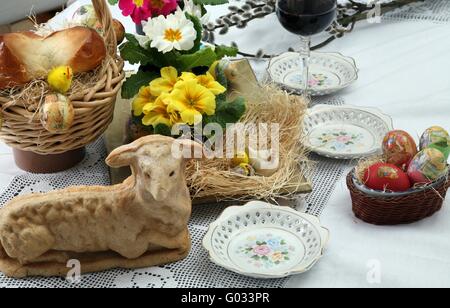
x=261, y=240
x=329, y=72
x=345, y=132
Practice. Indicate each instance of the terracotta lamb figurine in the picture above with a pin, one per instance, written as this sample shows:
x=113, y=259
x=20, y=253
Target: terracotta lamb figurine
x=139, y=223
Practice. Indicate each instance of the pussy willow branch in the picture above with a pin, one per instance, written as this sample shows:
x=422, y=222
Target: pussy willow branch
x=348, y=15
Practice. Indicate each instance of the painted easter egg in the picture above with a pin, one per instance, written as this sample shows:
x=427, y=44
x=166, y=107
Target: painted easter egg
x=427, y=166
x=118, y=27
x=57, y=113
x=399, y=148
x=438, y=138
x=386, y=177
x=85, y=16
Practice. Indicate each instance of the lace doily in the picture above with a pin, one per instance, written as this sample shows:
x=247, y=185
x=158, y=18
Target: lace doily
x=429, y=10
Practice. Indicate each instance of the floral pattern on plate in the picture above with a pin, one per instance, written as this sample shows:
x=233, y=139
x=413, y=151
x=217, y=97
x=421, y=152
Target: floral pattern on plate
x=266, y=250
x=340, y=141
x=318, y=80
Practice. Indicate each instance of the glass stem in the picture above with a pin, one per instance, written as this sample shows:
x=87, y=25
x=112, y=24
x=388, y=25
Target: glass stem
x=305, y=53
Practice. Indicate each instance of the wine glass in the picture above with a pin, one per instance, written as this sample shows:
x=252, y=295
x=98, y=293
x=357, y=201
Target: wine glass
x=306, y=18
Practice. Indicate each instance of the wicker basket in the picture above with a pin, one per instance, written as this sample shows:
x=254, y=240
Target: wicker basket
x=94, y=107
x=397, y=208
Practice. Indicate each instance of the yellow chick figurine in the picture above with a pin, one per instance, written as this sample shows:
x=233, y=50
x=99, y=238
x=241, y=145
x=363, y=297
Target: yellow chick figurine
x=240, y=158
x=60, y=79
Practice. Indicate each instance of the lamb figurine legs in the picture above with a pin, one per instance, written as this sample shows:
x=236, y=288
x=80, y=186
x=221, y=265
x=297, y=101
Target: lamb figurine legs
x=139, y=223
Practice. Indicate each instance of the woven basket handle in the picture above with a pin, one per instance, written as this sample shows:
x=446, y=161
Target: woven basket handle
x=106, y=21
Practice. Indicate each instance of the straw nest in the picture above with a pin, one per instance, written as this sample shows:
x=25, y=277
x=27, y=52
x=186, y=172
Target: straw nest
x=213, y=177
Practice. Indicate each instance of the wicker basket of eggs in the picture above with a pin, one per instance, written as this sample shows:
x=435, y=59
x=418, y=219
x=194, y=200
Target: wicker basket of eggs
x=405, y=184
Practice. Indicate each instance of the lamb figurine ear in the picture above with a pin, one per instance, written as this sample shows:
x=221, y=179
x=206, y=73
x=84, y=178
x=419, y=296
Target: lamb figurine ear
x=121, y=157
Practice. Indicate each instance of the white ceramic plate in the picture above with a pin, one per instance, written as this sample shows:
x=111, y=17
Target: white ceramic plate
x=261, y=240
x=345, y=132
x=329, y=72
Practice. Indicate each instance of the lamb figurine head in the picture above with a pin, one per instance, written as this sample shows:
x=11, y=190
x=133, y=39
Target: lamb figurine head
x=156, y=162
x=140, y=223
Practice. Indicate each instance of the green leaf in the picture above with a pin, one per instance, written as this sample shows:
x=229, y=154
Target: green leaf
x=210, y=2
x=135, y=54
x=225, y=51
x=199, y=29
x=132, y=52
x=203, y=57
x=162, y=129
x=134, y=83
x=227, y=112
x=113, y=2
x=222, y=79
x=132, y=39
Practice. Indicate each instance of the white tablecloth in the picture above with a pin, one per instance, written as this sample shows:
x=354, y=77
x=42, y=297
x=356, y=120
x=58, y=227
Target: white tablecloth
x=403, y=71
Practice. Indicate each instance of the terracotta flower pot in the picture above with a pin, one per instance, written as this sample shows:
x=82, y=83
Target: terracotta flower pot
x=36, y=163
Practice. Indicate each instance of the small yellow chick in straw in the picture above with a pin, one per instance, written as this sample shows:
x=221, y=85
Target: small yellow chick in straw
x=60, y=79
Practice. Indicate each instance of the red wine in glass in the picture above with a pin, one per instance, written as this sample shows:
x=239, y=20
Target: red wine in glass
x=306, y=18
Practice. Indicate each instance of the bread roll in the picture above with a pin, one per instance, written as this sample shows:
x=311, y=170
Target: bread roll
x=25, y=56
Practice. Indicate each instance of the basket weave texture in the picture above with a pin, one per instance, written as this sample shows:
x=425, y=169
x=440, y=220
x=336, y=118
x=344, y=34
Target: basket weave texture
x=94, y=106
x=397, y=210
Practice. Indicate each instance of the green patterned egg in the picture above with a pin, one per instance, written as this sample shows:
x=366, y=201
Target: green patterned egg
x=427, y=166
x=438, y=138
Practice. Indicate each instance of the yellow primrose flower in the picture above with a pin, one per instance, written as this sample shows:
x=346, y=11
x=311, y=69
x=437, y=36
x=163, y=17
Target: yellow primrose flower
x=211, y=84
x=156, y=113
x=207, y=81
x=185, y=76
x=143, y=98
x=192, y=100
x=165, y=84
x=174, y=115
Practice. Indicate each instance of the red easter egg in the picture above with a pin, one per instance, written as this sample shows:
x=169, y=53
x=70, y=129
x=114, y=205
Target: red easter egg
x=399, y=148
x=382, y=176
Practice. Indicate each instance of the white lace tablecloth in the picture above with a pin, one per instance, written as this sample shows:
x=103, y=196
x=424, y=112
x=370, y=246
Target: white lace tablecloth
x=403, y=66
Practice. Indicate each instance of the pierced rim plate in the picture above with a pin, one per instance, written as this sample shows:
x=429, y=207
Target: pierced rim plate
x=329, y=72
x=261, y=240
x=345, y=132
